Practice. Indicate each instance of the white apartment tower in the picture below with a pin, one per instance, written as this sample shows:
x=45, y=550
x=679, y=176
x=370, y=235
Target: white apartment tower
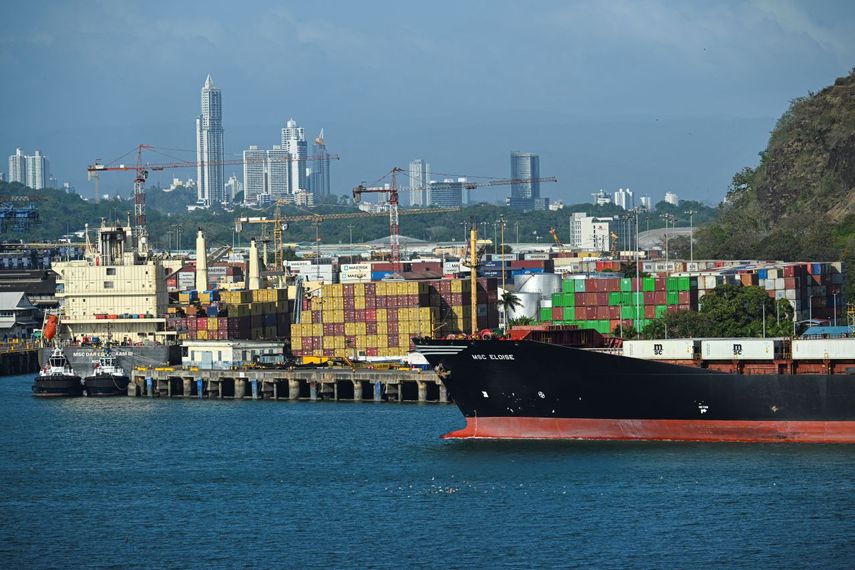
x=624, y=199
x=38, y=171
x=672, y=198
x=210, y=187
x=277, y=171
x=294, y=143
x=233, y=187
x=646, y=203
x=420, y=183
x=18, y=167
x=254, y=166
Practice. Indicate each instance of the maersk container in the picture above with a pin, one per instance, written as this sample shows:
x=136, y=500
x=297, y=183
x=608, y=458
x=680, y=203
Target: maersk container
x=742, y=349
x=539, y=256
x=670, y=349
x=824, y=349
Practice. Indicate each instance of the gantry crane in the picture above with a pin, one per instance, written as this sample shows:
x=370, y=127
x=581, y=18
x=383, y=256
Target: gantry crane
x=141, y=171
x=281, y=222
x=392, y=190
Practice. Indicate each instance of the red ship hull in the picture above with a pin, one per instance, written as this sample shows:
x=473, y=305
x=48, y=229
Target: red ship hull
x=656, y=430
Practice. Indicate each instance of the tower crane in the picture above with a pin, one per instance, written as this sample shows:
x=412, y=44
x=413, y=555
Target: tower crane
x=280, y=224
x=141, y=171
x=392, y=190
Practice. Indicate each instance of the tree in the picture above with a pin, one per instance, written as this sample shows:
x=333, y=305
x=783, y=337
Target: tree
x=510, y=302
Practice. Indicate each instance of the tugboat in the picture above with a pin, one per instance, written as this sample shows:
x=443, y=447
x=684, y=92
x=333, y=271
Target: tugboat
x=57, y=378
x=107, y=378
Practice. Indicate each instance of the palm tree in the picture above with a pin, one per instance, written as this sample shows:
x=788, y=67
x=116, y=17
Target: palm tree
x=510, y=301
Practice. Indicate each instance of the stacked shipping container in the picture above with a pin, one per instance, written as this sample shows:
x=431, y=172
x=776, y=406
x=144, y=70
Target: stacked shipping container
x=226, y=315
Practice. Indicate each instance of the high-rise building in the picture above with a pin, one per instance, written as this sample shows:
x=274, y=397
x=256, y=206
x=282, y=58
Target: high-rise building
x=601, y=198
x=319, y=181
x=277, y=171
x=449, y=193
x=420, y=183
x=589, y=232
x=524, y=195
x=294, y=143
x=233, y=187
x=646, y=202
x=210, y=188
x=672, y=198
x=624, y=199
x=18, y=167
x=38, y=171
x=254, y=166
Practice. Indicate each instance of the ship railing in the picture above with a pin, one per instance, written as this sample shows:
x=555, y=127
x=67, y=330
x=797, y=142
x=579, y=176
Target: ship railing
x=616, y=351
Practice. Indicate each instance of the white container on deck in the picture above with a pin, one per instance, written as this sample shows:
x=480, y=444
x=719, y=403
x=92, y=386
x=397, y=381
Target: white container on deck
x=824, y=348
x=741, y=348
x=666, y=349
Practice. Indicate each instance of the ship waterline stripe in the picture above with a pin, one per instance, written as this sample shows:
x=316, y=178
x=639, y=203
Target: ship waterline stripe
x=802, y=431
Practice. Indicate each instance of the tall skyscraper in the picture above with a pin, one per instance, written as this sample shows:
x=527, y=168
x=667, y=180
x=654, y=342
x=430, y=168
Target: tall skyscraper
x=294, y=142
x=233, y=187
x=277, y=169
x=254, y=166
x=524, y=195
x=320, y=177
x=38, y=171
x=18, y=167
x=210, y=187
x=420, y=183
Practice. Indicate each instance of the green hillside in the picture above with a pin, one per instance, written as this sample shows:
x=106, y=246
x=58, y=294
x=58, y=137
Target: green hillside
x=799, y=202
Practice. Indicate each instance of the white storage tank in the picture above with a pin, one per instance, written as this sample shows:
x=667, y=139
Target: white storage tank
x=742, y=348
x=528, y=308
x=824, y=348
x=666, y=349
x=544, y=284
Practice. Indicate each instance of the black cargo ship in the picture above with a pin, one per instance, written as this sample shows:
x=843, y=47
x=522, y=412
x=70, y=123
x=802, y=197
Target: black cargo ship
x=57, y=378
x=529, y=389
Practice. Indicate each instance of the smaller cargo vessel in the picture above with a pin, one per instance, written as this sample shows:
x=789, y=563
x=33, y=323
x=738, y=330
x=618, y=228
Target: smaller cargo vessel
x=107, y=379
x=57, y=378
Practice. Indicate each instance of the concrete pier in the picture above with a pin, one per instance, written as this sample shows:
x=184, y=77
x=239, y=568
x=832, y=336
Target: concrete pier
x=313, y=384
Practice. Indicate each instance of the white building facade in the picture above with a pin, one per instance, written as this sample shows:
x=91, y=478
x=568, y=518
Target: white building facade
x=624, y=199
x=589, y=232
x=210, y=187
x=18, y=167
x=672, y=198
x=294, y=143
x=254, y=166
x=38, y=171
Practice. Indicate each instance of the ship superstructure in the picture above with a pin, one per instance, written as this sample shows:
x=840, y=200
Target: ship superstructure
x=116, y=291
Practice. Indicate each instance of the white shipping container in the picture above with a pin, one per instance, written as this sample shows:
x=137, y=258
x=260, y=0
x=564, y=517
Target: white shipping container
x=505, y=256
x=450, y=267
x=670, y=349
x=741, y=349
x=769, y=284
x=825, y=348
x=347, y=267
x=692, y=266
x=301, y=263
x=536, y=256
x=779, y=283
x=562, y=261
x=790, y=294
x=772, y=273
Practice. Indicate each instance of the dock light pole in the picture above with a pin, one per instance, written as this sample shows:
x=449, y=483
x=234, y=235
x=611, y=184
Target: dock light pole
x=691, y=214
x=517, y=224
x=834, y=294
x=350, y=227
x=637, y=277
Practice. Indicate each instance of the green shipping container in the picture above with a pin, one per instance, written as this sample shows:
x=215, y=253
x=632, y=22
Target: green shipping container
x=626, y=284
x=671, y=283
x=556, y=300
x=673, y=297
x=684, y=284
x=569, y=299
x=661, y=310
x=627, y=312
x=569, y=313
x=567, y=286
x=649, y=284
x=545, y=314
x=614, y=298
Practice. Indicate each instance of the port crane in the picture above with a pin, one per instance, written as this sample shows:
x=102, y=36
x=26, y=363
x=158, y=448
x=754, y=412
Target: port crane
x=280, y=224
x=392, y=190
x=141, y=171
x=554, y=235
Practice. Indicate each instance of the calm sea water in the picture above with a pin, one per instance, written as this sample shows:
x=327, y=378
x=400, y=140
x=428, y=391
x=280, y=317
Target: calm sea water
x=156, y=483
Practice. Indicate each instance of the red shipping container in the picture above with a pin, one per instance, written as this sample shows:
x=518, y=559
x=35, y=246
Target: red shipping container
x=649, y=297
x=602, y=298
x=581, y=313
x=649, y=312
x=660, y=298
x=614, y=324
x=306, y=343
x=683, y=297
x=602, y=313
x=370, y=328
x=590, y=299
x=370, y=315
x=558, y=313
x=591, y=313
x=329, y=352
x=392, y=339
x=660, y=284
x=371, y=352
x=614, y=312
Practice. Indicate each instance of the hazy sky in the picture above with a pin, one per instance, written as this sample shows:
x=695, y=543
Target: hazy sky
x=653, y=95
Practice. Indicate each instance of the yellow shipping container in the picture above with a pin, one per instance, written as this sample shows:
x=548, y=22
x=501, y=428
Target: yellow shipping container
x=213, y=323
x=359, y=290
x=202, y=335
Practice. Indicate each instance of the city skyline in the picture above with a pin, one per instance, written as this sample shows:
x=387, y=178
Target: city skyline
x=598, y=116
x=210, y=151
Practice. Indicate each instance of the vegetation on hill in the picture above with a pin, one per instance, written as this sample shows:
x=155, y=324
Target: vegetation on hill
x=167, y=211
x=799, y=202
